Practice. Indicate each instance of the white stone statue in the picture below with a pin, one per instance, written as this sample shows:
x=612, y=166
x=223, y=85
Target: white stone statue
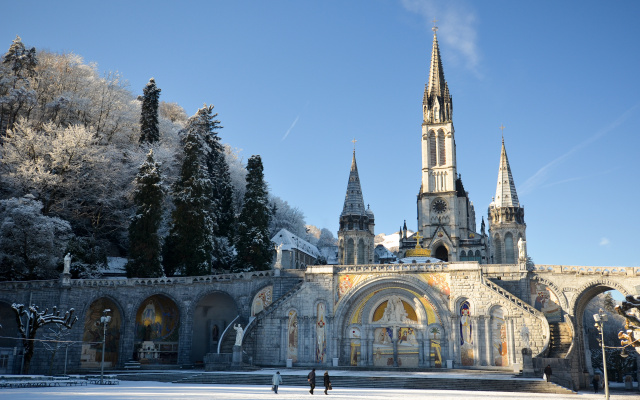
x=67, y=264
x=522, y=250
x=239, y=332
x=279, y=256
x=395, y=312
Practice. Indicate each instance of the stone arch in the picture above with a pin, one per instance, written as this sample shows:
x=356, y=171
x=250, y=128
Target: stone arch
x=437, y=249
x=577, y=305
x=556, y=290
x=213, y=312
x=357, y=306
x=92, y=334
x=157, y=330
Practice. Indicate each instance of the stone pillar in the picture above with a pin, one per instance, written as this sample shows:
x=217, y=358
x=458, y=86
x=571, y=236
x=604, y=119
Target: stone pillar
x=236, y=360
x=488, y=339
x=477, y=346
x=454, y=352
x=186, y=329
x=511, y=340
x=421, y=340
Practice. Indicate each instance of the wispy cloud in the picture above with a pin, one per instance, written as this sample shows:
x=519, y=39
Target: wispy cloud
x=543, y=174
x=456, y=23
x=295, y=121
x=604, y=241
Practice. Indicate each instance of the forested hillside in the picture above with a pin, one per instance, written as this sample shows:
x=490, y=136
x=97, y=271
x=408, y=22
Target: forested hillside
x=92, y=167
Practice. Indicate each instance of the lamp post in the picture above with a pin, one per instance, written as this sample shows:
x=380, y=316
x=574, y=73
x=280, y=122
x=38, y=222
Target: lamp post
x=104, y=320
x=600, y=319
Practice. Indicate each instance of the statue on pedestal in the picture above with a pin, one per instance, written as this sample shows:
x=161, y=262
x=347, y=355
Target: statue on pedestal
x=522, y=250
x=67, y=264
x=239, y=332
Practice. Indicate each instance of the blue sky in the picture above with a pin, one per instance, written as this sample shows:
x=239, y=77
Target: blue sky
x=296, y=81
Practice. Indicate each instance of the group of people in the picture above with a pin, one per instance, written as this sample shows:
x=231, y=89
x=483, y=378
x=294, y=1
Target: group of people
x=311, y=378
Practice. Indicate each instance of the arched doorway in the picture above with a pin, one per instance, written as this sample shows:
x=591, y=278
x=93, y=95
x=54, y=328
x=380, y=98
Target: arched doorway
x=442, y=253
x=157, y=323
x=213, y=313
x=91, y=355
x=8, y=362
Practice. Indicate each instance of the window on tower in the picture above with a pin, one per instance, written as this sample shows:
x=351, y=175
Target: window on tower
x=441, y=149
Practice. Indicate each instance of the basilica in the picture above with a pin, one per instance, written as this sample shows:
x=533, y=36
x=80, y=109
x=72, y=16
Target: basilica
x=458, y=297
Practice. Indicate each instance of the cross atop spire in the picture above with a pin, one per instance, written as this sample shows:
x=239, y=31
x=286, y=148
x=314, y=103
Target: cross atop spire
x=354, y=144
x=435, y=28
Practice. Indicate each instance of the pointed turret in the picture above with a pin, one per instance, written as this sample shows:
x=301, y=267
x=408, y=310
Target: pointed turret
x=506, y=195
x=356, y=234
x=506, y=216
x=436, y=101
x=353, y=200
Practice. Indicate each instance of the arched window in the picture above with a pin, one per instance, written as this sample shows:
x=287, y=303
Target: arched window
x=432, y=149
x=350, y=252
x=361, y=252
x=442, y=159
x=478, y=256
x=508, y=249
x=497, y=243
x=463, y=255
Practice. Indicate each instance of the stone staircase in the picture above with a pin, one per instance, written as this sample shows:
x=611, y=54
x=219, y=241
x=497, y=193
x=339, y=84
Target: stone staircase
x=560, y=341
x=424, y=383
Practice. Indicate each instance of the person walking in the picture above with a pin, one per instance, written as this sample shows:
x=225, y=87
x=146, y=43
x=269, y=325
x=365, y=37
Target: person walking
x=276, y=381
x=311, y=378
x=596, y=383
x=547, y=372
x=327, y=382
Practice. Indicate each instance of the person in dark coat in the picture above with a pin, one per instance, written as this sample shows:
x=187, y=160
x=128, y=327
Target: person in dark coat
x=311, y=378
x=595, y=382
x=327, y=382
x=547, y=372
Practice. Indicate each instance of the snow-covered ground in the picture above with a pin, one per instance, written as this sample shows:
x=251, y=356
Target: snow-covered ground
x=155, y=390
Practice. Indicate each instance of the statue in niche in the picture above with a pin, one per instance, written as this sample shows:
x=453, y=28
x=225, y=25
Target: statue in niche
x=67, y=264
x=215, y=333
x=239, y=332
x=395, y=312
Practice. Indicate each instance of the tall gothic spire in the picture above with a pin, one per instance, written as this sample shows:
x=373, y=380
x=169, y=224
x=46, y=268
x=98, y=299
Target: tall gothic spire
x=353, y=201
x=506, y=195
x=437, y=104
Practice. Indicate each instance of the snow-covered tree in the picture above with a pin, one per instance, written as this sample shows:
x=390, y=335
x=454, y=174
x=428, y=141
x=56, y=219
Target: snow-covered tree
x=17, y=71
x=326, y=239
x=31, y=245
x=30, y=319
x=189, y=246
x=287, y=217
x=608, y=302
x=253, y=243
x=144, y=242
x=172, y=111
x=149, y=132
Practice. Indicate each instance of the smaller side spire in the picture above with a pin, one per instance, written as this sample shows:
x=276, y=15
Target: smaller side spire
x=353, y=201
x=506, y=195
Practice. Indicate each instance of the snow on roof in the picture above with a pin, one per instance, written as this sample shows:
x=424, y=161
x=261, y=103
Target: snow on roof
x=289, y=241
x=382, y=252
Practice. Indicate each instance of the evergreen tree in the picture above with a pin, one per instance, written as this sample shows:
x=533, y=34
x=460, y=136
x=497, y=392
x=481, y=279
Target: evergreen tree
x=206, y=125
x=17, y=70
x=144, y=241
x=189, y=246
x=253, y=242
x=149, y=128
x=608, y=302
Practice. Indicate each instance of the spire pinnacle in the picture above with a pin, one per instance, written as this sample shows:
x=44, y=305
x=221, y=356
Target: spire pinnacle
x=353, y=201
x=506, y=195
x=436, y=101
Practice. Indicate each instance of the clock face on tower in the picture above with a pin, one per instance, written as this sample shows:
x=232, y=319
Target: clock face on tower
x=439, y=206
